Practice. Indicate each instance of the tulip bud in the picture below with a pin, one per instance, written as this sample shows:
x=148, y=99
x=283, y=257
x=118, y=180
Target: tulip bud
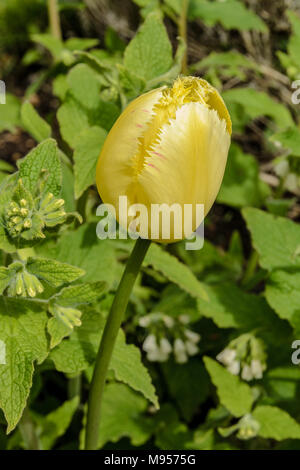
x=168, y=147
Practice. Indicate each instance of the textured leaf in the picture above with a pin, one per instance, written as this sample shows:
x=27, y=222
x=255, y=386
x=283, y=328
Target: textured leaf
x=33, y=123
x=23, y=330
x=289, y=139
x=234, y=394
x=122, y=416
x=276, y=239
x=231, y=307
x=241, y=185
x=86, y=154
x=54, y=272
x=84, y=85
x=232, y=14
x=175, y=271
x=255, y=104
x=82, y=248
x=276, y=423
x=149, y=54
x=80, y=294
x=42, y=157
x=78, y=352
x=282, y=293
x=55, y=424
x=188, y=385
x=10, y=113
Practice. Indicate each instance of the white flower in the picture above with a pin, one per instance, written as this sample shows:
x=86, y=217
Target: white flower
x=234, y=367
x=192, y=336
x=247, y=373
x=185, y=319
x=256, y=368
x=227, y=356
x=150, y=344
x=156, y=356
x=144, y=321
x=180, y=351
x=165, y=346
x=191, y=348
x=168, y=321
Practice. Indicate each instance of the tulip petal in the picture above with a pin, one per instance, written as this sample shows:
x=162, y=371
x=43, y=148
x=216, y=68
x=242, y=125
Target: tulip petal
x=187, y=165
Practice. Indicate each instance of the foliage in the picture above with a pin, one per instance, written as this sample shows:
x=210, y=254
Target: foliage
x=235, y=303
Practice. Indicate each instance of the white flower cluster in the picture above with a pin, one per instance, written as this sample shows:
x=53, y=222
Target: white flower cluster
x=246, y=356
x=168, y=335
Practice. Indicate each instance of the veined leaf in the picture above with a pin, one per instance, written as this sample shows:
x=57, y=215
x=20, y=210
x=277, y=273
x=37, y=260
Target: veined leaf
x=276, y=423
x=54, y=272
x=33, y=123
x=234, y=394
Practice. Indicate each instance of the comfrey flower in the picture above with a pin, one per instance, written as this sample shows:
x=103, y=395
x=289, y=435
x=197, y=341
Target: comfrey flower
x=168, y=335
x=247, y=428
x=244, y=355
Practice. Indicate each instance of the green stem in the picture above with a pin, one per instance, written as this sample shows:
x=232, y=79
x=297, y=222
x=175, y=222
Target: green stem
x=54, y=19
x=182, y=24
x=108, y=340
x=27, y=429
x=251, y=267
x=74, y=387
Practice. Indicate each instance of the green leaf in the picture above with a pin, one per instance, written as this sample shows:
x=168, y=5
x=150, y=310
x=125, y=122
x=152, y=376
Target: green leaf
x=282, y=293
x=80, y=43
x=229, y=64
x=234, y=394
x=55, y=46
x=10, y=113
x=230, y=307
x=122, y=416
x=84, y=84
x=137, y=377
x=80, y=294
x=246, y=104
x=276, y=239
x=276, y=423
x=23, y=330
x=44, y=157
x=188, y=385
x=96, y=257
x=54, y=272
x=175, y=271
x=241, y=185
x=33, y=123
x=232, y=14
x=78, y=352
x=149, y=54
x=5, y=276
x=289, y=139
x=86, y=154
x=55, y=424
x=75, y=119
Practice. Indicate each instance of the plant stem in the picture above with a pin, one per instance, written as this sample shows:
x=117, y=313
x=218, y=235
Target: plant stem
x=54, y=19
x=74, y=387
x=108, y=340
x=27, y=429
x=182, y=24
x=251, y=267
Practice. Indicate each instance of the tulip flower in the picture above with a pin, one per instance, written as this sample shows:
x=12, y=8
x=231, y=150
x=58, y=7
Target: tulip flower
x=169, y=147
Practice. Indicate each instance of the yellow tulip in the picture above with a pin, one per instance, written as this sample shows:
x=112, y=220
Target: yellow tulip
x=169, y=146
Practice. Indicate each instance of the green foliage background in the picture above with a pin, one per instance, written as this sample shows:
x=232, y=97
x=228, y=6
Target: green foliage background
x=57, y=280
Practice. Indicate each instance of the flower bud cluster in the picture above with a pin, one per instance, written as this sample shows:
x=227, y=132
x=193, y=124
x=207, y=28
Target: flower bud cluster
x=26, y=217
x=244, y=355
x=167, y=335
x=24, y=284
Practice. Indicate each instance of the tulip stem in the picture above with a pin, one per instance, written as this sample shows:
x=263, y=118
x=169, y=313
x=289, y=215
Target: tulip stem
x=108, y=340
x=54, y=19
x=182, y=24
